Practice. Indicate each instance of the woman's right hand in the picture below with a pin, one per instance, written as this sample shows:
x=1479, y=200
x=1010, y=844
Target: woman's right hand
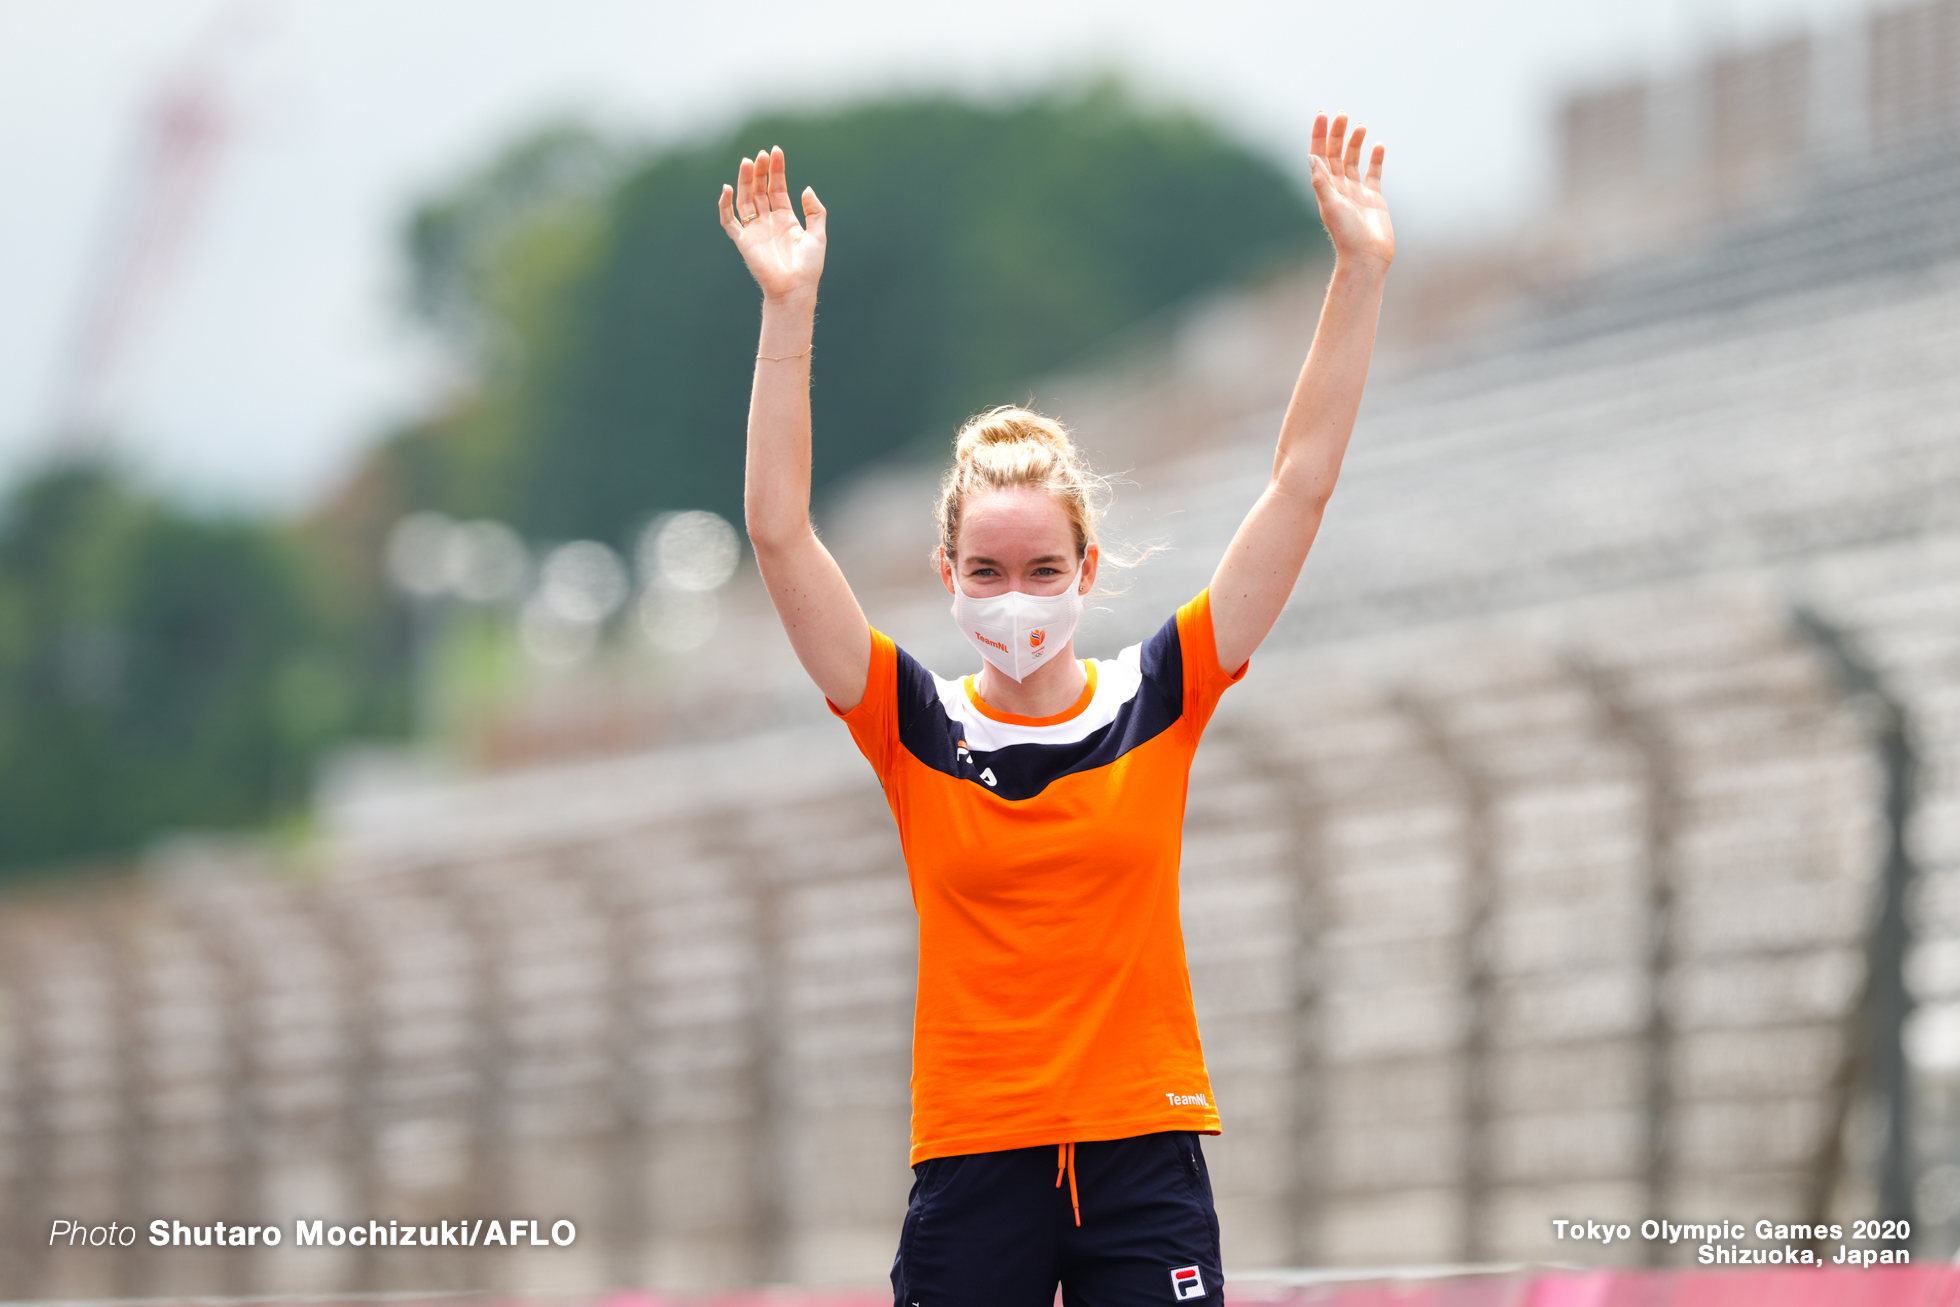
x=784, y=256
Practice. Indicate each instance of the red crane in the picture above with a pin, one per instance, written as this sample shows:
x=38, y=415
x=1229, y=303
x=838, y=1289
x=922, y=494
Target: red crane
x=156, y=205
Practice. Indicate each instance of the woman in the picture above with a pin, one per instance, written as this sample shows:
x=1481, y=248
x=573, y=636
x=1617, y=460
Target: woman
x=1058, y=1086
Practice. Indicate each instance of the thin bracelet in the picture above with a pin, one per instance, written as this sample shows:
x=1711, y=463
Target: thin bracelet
x=784, y=358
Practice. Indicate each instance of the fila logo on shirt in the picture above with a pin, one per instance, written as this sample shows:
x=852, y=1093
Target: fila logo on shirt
x=1187, y=1283
x=986, y=773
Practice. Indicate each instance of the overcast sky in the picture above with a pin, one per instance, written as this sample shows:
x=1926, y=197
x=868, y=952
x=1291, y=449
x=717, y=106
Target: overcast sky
x=276, y=347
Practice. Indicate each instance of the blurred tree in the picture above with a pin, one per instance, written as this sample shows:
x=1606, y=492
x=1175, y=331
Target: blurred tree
x=491, y=268
x=611, y=327
x=157, y=671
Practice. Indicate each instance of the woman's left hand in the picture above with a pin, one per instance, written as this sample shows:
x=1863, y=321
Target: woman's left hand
x=1351, y=204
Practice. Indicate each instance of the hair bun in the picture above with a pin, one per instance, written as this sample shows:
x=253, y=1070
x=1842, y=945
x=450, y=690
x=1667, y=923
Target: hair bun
x=1007, y=447
x=1010, y=425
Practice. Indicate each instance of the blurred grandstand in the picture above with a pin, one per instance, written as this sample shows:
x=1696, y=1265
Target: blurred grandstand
x=1585, y=843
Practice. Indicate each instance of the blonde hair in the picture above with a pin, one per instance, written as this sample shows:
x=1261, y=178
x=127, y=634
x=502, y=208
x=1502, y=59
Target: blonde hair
x=1008, y=446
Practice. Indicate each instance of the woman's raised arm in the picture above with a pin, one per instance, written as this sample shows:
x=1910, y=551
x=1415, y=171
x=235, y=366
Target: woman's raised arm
x=818, y=611
x=1264, y=560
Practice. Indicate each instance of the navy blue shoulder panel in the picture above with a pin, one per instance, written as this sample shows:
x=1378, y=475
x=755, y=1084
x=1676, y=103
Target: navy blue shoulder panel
x=1022, y=771
x=1163, y=664
x=924, y=729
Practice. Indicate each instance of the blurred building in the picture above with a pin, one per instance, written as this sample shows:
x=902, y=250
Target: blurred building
x=1585, y=843
x=1645, y=156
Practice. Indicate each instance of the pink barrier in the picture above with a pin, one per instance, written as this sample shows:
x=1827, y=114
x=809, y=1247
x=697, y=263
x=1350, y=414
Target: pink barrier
x=758, y=1298
x=1931, y=1285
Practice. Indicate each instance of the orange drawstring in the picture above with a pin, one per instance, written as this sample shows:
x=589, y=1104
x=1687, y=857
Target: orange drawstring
x=1065, y=1161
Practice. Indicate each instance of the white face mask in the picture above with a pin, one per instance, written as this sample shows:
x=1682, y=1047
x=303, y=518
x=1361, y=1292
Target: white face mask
x=1018, y=632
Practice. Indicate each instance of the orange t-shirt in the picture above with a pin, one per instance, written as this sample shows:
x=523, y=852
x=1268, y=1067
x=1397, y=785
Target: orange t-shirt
x=1054, y=1002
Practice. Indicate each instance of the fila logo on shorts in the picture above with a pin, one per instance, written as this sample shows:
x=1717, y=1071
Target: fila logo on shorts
x=1187, y=1283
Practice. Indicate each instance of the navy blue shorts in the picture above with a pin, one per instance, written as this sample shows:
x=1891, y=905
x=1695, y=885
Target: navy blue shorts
x=994, y=1229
